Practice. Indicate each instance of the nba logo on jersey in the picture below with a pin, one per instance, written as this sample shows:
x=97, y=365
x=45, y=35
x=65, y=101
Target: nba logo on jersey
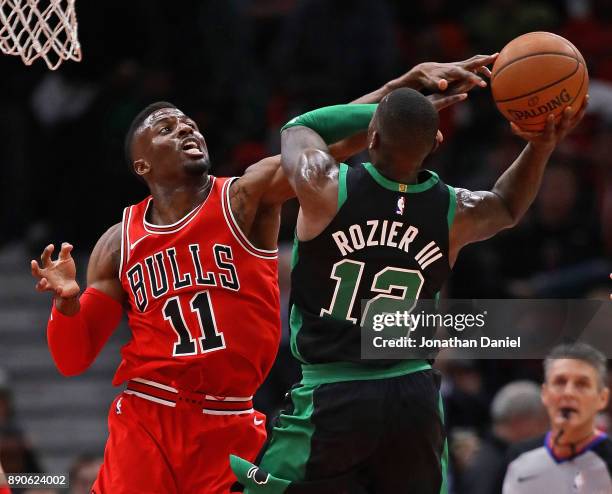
x=118, y=406
x=259, y=476
x=578, y=482
x=401, y=202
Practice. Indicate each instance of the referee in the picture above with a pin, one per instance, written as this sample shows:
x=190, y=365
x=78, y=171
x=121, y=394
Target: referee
x=574, y=457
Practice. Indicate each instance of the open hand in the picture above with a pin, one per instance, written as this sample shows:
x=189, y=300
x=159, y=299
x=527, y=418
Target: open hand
x=552, y=133
x=57, y=276
x=453, y=77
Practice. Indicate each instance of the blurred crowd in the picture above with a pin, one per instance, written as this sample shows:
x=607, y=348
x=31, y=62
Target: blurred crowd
x=241, y=68
x=18, y=455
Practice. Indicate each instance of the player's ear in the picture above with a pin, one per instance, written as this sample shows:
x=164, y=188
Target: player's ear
x=437, y=141
x=141, y=167
x=544, y=394
x=373, y=139
x=604, y=397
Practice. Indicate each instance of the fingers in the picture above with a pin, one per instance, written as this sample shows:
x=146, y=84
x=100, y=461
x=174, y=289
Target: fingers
x=442, y=84
x=549, y=129
x=43, y=285
x=45, y=257
x=580, y=115
x=459, y=73
x=566, y=120
x=36, y=271
x=524, y=134
x=450, y=100
x=478, y=61
x=440, y=101
x=65, y=251
x=484, y=71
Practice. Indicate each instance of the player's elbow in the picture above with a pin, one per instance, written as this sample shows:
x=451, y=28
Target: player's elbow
x=68, y=361
x=510, y=221
x=315, y=168
x=510, y=214
x=71, y=369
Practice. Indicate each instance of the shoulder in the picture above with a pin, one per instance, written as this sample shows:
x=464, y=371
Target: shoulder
x=603, y=449
x=106, y=254
x=111, y=238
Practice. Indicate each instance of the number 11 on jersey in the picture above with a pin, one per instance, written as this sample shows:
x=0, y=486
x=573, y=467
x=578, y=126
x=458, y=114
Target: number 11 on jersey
x=211, y=339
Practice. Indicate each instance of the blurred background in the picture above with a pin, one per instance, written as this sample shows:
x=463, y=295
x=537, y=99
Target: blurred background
x=242, y=68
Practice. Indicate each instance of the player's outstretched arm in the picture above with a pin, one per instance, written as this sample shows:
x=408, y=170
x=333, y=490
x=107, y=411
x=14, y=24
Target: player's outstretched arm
x=480, y=215
x=257, y=196
x=450, y=80
x=80, y=324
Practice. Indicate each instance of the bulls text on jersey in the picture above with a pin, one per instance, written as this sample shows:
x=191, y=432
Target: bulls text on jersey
x=162, y=270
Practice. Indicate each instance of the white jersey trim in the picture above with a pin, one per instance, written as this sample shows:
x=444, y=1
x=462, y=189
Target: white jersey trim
x=227, y=412
x=237, y=231
x=125, y=240
x=177, y=225
x=120, y=273
x=150, y=398
x=155, y=385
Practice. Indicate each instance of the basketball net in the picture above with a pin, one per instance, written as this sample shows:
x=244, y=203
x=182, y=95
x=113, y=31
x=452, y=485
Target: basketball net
x=35, y=29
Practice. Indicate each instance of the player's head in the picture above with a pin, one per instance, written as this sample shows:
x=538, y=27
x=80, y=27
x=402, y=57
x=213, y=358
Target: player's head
x=403, y=130
x=163, y=143
x=518, y=413
x=574, y=389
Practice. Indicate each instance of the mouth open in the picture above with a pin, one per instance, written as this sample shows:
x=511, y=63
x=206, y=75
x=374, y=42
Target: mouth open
x=567, y=412
x=191, y=147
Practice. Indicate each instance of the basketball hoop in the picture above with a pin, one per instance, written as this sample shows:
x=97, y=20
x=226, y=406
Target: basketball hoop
x=35, y=29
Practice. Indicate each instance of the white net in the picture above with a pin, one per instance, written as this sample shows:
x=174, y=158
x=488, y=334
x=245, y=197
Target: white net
x=35, y=29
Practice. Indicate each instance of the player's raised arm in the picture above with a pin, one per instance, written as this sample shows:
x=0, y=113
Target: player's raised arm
x=80, y=324
x=480, y=215
x=451, y=81
x=308, y=164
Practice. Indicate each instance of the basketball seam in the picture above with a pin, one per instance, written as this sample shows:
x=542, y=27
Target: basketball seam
x=526, y=124
x=580, y=88
x=578, y=64
x=501, y=69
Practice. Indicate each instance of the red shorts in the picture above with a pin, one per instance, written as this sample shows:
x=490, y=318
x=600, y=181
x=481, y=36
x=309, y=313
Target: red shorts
x=154, y=447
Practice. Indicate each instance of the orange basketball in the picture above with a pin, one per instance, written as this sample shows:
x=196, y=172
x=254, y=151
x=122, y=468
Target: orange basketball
x=537, y=74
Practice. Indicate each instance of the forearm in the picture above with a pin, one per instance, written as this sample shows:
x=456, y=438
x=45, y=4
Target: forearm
x=376, y=96
x=519, y=184
x=412, y=79
x=75, y=340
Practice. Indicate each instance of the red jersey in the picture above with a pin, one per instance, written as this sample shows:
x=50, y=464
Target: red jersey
x=203, y=301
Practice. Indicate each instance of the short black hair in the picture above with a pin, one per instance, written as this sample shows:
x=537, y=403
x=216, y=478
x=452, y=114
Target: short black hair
x=408, y=119
x=137, y=122
x=583, y=352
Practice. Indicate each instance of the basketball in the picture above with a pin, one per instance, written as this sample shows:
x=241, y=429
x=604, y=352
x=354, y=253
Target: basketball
x=537, y=74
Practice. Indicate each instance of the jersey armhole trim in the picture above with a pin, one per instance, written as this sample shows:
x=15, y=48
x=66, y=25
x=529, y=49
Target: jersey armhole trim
x=125, y=241
x=452, y=206
x=342, y=190
x=236, y=230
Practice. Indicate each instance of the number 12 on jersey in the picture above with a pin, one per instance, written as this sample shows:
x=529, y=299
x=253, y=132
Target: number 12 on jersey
x=406, y=283
x=211, y=339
